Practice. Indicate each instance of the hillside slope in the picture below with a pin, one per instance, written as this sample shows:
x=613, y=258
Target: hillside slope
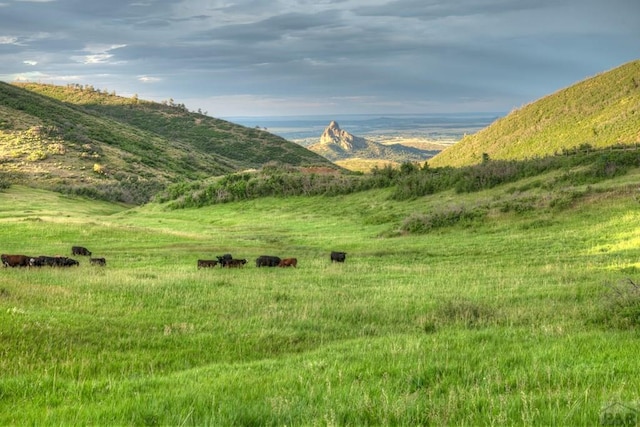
x=600, y=111
x=81, y=139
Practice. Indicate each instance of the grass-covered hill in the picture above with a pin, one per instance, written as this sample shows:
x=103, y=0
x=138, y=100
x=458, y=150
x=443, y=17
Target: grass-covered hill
x=83, y=140
x=599, y=112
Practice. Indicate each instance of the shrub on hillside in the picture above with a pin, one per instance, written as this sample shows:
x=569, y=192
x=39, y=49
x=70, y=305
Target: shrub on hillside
x=274, y=180
x=424, y=182
x=424, y=223
x=9, y=178
x=487, y=175
x=620, y=306
x=4, y=183
x=133, y=192
x=483, y=176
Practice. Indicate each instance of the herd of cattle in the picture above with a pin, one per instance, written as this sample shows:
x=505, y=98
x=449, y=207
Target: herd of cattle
x=229, y=261
x=225, y=260
x=50, y=261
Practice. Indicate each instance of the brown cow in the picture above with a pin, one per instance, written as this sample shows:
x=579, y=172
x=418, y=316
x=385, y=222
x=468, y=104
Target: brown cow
x=15, y=260
x=288, y=262
x=207, y=263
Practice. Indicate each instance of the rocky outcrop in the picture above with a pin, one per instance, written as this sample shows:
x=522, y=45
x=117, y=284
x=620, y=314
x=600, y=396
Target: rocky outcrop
x=333, y=135
x=338, y=144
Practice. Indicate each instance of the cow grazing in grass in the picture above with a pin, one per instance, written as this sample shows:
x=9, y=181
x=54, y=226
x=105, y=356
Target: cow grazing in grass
x=79, y=250
x=52, y=261
x=207, y=263
x=236, y=263
x=288, y=262
x=224, y=259
x=67, y=262
x=338, y=256
x=15, y=260
x=43, y=260
x=267, y=261
x=98, y=261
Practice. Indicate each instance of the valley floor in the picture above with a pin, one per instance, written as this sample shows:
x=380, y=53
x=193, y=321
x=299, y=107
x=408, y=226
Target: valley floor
x=512, y=320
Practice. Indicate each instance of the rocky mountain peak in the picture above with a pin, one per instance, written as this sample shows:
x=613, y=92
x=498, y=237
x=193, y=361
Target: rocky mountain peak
x=336, y=136
x=336, y=144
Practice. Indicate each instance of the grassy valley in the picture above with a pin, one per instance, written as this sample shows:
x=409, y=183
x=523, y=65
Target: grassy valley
x=518, y=317
x=503, y=290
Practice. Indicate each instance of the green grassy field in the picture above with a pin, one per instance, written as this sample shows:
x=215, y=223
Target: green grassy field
x=507, y=320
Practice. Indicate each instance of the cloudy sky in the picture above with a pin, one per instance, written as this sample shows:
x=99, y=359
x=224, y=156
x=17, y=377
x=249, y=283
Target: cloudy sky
x=295, y=57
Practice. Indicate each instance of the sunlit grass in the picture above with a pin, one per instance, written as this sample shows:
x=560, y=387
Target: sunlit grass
x=495, y=322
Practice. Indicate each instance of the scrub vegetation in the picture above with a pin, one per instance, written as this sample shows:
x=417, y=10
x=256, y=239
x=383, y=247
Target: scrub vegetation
x=407, y=181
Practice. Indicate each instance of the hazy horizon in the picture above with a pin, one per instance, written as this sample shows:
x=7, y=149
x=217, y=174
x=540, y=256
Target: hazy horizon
x=434, y=126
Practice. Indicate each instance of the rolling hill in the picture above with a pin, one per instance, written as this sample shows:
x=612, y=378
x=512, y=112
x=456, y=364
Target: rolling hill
x=599, y=112
x=82, y=140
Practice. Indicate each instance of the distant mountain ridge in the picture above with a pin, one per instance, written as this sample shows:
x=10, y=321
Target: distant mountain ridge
x=338, y=144
x=600, y=112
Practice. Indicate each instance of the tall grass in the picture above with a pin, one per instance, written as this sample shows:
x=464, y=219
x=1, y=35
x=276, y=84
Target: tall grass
x=498, y=321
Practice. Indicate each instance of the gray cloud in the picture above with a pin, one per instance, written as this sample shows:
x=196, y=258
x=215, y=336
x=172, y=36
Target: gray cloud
x=248, y=57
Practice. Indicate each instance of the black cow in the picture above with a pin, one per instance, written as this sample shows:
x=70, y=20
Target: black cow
x=224, y=259
x=236, y=263
x=79, y=250
x=267, y=261
x=98, y=261
x=43, y=260
x=63, y=261
x=15, y=260
x=207, y=263
x=338, y=256
x=52, y=261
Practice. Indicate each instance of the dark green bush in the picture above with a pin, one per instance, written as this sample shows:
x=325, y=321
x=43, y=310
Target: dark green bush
x=519, y=205
x=424, y=223
x=4, y=183
x=9, y=178
x=129, y=192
